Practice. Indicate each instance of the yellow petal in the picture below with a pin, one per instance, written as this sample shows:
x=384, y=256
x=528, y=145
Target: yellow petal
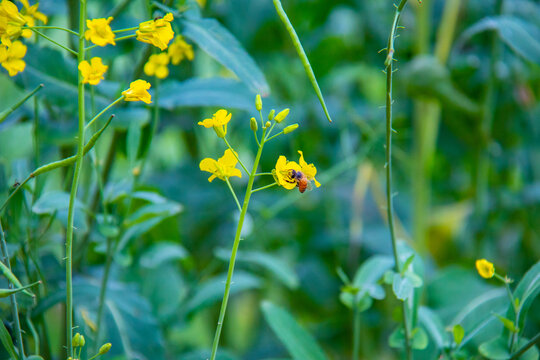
x=228, y=159
x=207, y=123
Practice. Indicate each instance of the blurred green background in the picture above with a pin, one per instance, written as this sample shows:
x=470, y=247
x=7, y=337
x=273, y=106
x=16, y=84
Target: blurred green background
x=466, y=172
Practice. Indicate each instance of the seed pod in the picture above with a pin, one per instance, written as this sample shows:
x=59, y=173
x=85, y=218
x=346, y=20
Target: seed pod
x=253, y=124
x=281, y=115
x=258, y=102
x=290, y=128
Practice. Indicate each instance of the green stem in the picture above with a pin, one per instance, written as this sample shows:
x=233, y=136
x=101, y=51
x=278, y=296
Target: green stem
x=54, y=42
x=127, y=29
x=279, y=133
x=233, y=194
x=525, y=347
x=53, y=27
x=256, y=139
x=356, y=334
x=264, y=173
x=264, y=187
x=389, y=130
x=4, y=114
x=74, y=186
x=13, y=299
x=236, y=243
x=103, y=290
x=236, y=156
x=102, y=112
x=269, y=132
x=116, y=39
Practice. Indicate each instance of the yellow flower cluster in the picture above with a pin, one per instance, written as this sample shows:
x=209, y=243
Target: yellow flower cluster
x=223, y=168
x=12, y=22
x=177, y=51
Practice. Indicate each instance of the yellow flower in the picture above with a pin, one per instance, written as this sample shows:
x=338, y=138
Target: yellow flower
x=485, y=268
x=11, y=23
x=11, y=57
x=138, y=91
x=157, y=65
x=218, y=121
x=31, y=13
x=157, y=32
x=285, y=170
x=179, y=50
x=92, y=71
x=223, y=168
x=99, y=31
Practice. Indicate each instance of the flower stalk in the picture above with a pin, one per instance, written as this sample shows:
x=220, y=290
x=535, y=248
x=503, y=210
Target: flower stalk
x=75, y=184
x=389, y=194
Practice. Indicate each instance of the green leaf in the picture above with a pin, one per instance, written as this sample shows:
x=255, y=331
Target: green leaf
x=519, y=35
x=406, y=265
x=275, y=265
x=370, y=272
x=402, y=287
x=509, y=324
x=57, y=202
x=527, y=290
x=219, y=43
x=211, y=291
x=6, y=340
x=419, y=339
x=434, y=326
x=458, y=332
x=300, y=344
x=218, y=92
x=497, y=349
x=161, y=253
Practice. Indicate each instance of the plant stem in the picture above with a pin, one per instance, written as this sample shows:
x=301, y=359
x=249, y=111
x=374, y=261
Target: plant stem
x=236, y=243
x=124, y=30
x=74, y=186
x=117, y=39
x=13, y=299
x=356, y=334
x=103, y=290
x=103, y=111
x=54, y=42
x=236, y=155
x=54, y=27
x=526, y=347
x=264, y=187
x=4, y=114
x=389, y=194
x=233, y=194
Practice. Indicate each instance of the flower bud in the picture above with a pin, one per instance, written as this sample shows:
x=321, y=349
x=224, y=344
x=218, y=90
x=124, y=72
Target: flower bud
x=258, y=102
x=253, y=124
x=136, y=171
x=82, y=341
x=104, y=349
x=267, y=125
x=271, y=115
x=282, y=115
x=75, y=342
x=290, y=128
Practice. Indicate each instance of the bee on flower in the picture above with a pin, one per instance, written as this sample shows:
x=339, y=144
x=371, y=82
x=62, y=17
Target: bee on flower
x=290, y=174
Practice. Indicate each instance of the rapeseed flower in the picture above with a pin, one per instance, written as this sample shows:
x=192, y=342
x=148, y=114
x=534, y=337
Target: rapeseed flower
x=223, y=168
x=11, y=23
x=285, y=171
x=485, y=268
x=92, y=71
x=99, y=31
x=31, y=14
x=218, y=121
x=157, y=65
x=157, y=32
x=11, y=57
x=138, y=91
x=180, y=50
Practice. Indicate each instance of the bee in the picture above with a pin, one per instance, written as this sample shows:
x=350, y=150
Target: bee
x=302, y=182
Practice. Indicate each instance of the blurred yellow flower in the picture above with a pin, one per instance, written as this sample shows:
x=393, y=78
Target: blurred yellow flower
x=31, y=13
x=179, y=50
x=11, y=57
x=157, y=32
x=218, y=121
x=285, y=171
x=485, y=268
x=157, y=65
x=223, y=168
x=138, y=91
x=11, y=23
x=99, y=31
x=92, y=71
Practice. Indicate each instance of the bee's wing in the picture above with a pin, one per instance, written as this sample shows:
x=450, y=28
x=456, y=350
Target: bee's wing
x=309, y=185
